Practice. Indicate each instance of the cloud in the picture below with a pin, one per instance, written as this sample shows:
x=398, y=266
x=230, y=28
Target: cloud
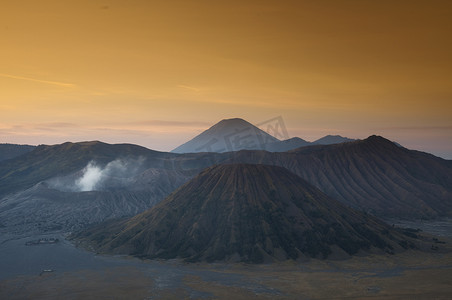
x=35, y=129
x=171, y=123
x=154, y=134
x=62, y=84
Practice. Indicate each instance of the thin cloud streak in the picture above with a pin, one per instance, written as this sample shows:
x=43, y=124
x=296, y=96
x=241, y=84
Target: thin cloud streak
x=189, y=88
x=139, y=128
x=62, y=84
x=170, y=123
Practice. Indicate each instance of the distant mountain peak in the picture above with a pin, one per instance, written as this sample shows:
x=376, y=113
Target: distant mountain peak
x=332, y=139
x=235, y=134
x=228, y=135
x=234, y=120
x=379, y=140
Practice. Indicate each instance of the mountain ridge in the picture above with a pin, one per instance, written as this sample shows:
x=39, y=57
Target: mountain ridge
x=238, y=134
x=372, y=174
x=10, y=151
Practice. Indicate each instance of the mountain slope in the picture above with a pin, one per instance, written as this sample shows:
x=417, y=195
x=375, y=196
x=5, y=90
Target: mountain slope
x=46, y=162
x=71, y=185
x=251, y=213
x=48, y=206
x=228, y=135
x=8, y=151
x=373, y=175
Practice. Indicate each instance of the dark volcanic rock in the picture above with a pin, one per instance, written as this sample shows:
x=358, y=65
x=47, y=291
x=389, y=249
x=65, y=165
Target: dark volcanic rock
x=251, y=213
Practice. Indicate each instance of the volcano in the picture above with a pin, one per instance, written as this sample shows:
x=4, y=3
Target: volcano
x=228, y=135
x=249, y=213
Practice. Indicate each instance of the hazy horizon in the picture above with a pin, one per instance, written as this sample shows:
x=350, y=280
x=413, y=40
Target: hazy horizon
x=170, y=147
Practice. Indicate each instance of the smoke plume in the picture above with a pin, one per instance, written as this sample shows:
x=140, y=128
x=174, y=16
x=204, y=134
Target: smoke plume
x=94, y=177
x=90, y=179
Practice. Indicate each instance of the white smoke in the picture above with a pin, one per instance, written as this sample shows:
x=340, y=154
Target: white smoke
x=90, y=179
x=94, y=177
x=115, y=174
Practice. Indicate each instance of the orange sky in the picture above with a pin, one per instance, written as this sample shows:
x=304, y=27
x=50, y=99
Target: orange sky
x=157, y=73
